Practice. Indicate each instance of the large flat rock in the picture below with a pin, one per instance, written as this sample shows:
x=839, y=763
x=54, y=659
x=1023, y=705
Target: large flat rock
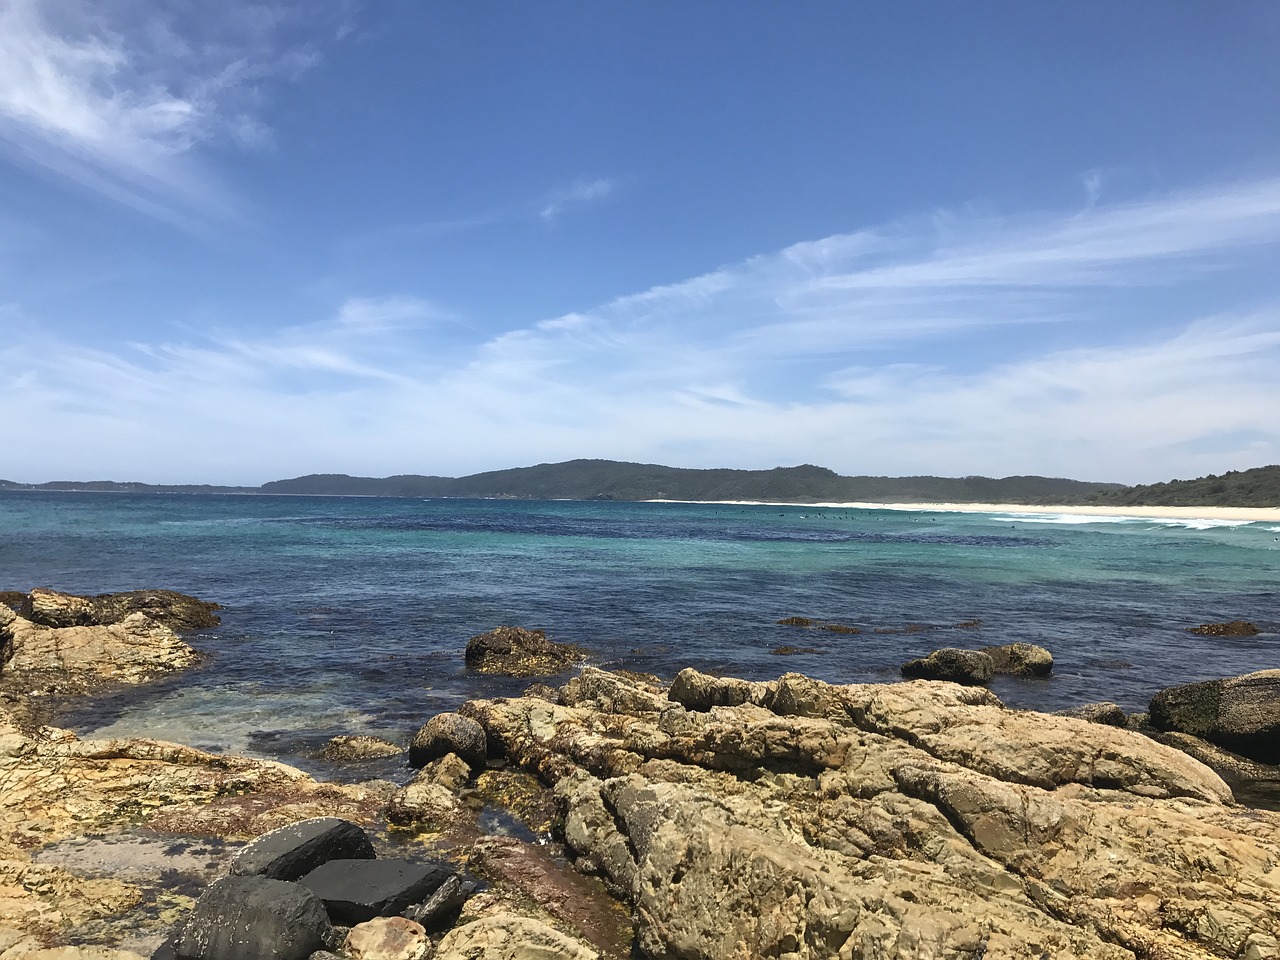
x=294, y=851
x=354, y=891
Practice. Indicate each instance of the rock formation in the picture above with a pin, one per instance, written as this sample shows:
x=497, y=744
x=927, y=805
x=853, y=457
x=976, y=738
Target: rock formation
x=517, y=652
x=1240, y=714
x=900, y=820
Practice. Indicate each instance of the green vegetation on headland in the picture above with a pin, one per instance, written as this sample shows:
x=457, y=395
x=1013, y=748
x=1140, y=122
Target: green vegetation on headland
x=611, y=480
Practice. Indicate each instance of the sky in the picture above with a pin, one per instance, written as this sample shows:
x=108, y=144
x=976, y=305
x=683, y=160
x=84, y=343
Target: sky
x=248, y=241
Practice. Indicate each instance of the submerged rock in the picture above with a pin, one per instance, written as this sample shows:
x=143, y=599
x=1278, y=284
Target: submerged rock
x=1240, y=714
x=953, y=664
x=358, y=747
x=517, y=652
x=882, y=821
x=1234, y=628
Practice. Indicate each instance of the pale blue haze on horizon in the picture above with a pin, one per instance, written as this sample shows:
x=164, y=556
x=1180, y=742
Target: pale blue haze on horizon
x=247, y=241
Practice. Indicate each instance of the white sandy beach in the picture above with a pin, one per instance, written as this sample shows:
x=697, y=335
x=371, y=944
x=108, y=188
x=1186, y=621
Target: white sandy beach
x=1238, y=514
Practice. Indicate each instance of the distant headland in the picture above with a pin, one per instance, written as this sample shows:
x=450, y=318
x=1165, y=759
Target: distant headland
x=612, y=480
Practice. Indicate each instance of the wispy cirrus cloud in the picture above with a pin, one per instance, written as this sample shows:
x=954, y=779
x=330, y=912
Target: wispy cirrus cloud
x=119, y=97
x=1064, y=343
x=577, y=194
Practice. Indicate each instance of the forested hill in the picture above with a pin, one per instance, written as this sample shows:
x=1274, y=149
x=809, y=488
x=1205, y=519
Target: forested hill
x=610, y=480
x=1259, y=487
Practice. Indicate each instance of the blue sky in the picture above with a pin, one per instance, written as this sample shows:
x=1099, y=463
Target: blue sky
x=247, y=241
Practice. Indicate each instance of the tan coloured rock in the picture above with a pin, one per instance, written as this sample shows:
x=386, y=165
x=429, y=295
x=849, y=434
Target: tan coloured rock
x=54, y=786
x=82, y=953
x=387, y=938
x=135, y=650
x=510, y=937
x=891, y=821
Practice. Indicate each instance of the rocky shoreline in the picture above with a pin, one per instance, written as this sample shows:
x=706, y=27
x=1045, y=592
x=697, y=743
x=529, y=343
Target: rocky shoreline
x=728, y=819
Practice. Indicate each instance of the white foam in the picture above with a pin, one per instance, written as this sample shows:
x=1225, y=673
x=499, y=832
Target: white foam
x=1073, y=519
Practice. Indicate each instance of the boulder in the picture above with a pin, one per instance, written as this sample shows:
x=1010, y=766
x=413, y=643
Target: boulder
x=429, y=799
x=290, y=852
x=354, y=891
x=353, y=749
x=386, y=938
x=701, y=691
x=950, y=663
x=1104, y=712
x=517, y=652
x=506, y=936
x=1240, y=714
x=242, y=917
x=1020, y=659
x=447, y=733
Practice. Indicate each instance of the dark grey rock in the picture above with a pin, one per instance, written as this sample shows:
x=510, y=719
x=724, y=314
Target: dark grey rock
x=950, y=663
x=1020, y=659
x=239, y=918
x=295, y=850
x=1105, y=712
x=325, y=955
x=354, y=891
x=1240, y=714
x=447, y=733
x=443, y=906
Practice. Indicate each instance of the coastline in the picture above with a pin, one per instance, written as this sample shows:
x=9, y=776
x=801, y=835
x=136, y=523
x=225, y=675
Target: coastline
x=1240, y=514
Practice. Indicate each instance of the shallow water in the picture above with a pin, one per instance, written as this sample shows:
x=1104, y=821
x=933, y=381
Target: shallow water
x=350, y=615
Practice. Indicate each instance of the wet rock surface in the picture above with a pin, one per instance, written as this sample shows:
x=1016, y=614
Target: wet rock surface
x=1233, y=628
x=518, y=652
x=952, y=664
x=354, y=891
x=899, y=820
x=1240, y=714
x=359, y=747
x=242, y=917
x=1104, y=712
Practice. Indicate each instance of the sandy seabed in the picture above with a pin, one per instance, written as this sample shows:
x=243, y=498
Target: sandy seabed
x=1241, y=514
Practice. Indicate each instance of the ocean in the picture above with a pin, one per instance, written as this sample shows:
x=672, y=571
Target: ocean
x=350, y=615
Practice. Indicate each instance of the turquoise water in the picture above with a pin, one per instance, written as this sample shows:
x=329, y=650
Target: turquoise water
x=350, y=615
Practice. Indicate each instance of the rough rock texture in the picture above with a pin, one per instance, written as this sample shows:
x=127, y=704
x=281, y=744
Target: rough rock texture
x=1020, y=659
x=1234, y=628
x=1240, y=714
x=699, y=691
x=352, y=749
x=386, y=938
x=1252, y=783
x=72, y=659
x=290, y=852
x=447, y=733
x=177, y=611
x=953, y=664
x=518, y=652
x=242, y=917
x=55, y=787
x=894, y=821
x=509, y=937
x=1104, y=712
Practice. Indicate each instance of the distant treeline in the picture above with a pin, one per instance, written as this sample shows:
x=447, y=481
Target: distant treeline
x=610, y=480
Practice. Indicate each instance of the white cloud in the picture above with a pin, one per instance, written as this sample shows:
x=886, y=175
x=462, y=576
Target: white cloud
x=1070, y=345
x=117, y=97
x=577, y=194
